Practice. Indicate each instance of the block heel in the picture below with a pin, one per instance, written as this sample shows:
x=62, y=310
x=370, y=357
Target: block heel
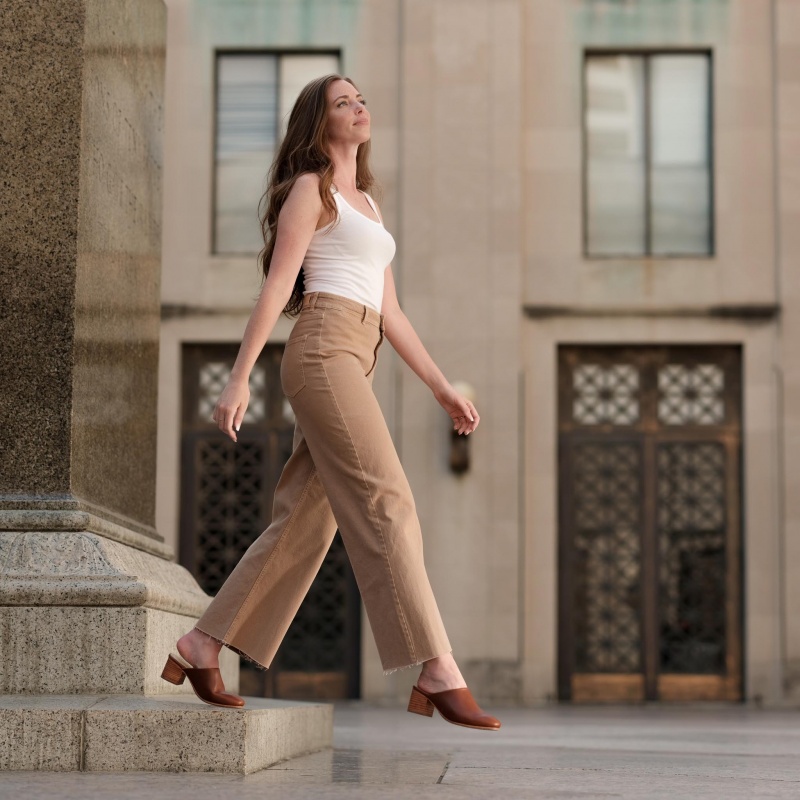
x=173, y=672
x=419, y=704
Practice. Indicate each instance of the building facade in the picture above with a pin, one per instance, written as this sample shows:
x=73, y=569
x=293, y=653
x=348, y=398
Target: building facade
x=597, y=215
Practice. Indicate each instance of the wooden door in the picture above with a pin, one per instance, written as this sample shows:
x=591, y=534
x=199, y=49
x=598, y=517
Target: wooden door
x=650, y=584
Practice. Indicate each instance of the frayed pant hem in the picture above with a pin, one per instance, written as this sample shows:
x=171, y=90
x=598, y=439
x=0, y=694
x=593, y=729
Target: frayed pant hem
x=415, y=664
x=235, y=649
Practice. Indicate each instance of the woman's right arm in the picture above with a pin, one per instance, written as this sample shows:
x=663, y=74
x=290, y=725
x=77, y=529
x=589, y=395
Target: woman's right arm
x=297, y=222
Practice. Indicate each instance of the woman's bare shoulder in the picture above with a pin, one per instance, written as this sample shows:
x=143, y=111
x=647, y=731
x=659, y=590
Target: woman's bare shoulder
x=305, y=192
x=307, y=180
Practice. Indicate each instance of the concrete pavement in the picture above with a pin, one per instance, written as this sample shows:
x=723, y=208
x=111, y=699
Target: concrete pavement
x=563, y=752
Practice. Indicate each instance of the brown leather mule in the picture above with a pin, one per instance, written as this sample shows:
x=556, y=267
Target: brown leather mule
x=206, y=681
x=455, y=705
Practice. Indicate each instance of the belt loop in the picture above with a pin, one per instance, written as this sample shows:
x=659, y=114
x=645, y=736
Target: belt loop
x=312, y=300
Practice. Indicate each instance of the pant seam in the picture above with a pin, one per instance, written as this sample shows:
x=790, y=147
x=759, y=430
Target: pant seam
x=288, y=525
x=407, y=632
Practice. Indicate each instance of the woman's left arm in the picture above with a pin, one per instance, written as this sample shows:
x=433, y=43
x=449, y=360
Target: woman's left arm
x=406, y=342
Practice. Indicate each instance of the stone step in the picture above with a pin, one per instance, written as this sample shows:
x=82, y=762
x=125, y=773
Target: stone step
x=141, y=733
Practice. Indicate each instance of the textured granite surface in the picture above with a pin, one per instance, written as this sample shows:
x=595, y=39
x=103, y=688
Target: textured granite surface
x=80, y=612
x=122, y=733
x=74, y=516
x=82, y=568
x=40, y=60
x=66, y=649
x=79, y=253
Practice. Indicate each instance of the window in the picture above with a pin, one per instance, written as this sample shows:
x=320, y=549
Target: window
x=648, y=134
x=254, y=95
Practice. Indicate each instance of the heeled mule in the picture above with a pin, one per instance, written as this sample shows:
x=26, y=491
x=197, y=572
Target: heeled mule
x=455, y=705
x=206, y=681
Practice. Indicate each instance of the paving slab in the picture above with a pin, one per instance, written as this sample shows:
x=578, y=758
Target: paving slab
x=563, y=753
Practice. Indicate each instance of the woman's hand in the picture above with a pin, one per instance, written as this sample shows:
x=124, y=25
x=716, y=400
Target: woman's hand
x=463, y=413
x=230, y=407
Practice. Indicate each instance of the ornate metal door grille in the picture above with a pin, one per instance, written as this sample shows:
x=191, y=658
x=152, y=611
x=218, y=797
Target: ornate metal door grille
x=227, y=491
x=649, y=523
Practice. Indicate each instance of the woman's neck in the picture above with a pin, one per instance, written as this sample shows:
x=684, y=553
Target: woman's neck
x=344, y=167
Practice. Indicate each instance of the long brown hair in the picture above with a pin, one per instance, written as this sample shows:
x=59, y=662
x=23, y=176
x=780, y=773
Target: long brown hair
x=304, y=148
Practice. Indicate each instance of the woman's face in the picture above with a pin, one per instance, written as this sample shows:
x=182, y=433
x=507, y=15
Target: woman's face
x=348, y=118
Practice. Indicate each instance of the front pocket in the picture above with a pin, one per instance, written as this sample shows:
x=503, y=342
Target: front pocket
x=293, y=376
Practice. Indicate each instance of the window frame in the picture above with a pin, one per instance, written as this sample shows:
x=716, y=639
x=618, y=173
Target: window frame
x=647, y=54
x=217, y=54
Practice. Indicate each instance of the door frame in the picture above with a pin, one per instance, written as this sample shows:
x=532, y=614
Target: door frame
x=763, y=609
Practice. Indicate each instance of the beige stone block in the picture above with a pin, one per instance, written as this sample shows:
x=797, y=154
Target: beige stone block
x=790, y=241
x=506, y=147
x=65, y=649
x=419, y=70
x=36, y=733
x=465, y=233
x=415, y=242
x=750, y=21
x=552, y=214
x=788, y=102
x=418, y=21
x=506, y=216
x=789, y=191
x=744, y=107
x=81, y=567
x=461, y=41
x=506, y=274
x=788, y=58
x=551, y=86
x=384, y=150
x=418, y=153
x=546, y=22
x=377, y=81
x=505, y=308
x=507, y=48
x=130, y=733
x=553, y=150
x=744, y=65
x=120, y=737
x=503, y=486
x=376, y=31
x=787, y=16
x=503, y=634
x=231, y=283
x=419, y=309
x=461, y=114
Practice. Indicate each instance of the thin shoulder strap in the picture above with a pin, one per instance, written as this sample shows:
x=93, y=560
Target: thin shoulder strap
x=369, y=199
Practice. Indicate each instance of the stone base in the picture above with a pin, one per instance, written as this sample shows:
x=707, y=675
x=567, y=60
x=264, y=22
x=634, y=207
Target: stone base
x=82, y=613
x=135, y=733
x=94, y=650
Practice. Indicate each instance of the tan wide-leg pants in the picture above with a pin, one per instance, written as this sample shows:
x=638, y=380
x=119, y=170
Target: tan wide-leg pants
x=344, y=471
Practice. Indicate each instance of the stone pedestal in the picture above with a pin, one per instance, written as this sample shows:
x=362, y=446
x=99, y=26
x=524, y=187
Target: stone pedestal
x=115, y=733
x=91, y=599
x=82, y=613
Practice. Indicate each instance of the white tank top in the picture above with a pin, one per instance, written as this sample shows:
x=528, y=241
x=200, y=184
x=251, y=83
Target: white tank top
x=351, y=259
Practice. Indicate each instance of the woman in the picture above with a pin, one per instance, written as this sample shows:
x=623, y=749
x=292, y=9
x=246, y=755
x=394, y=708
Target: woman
x=344, y=470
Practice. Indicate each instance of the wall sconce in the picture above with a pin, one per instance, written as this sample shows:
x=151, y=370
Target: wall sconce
x=459, y=443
